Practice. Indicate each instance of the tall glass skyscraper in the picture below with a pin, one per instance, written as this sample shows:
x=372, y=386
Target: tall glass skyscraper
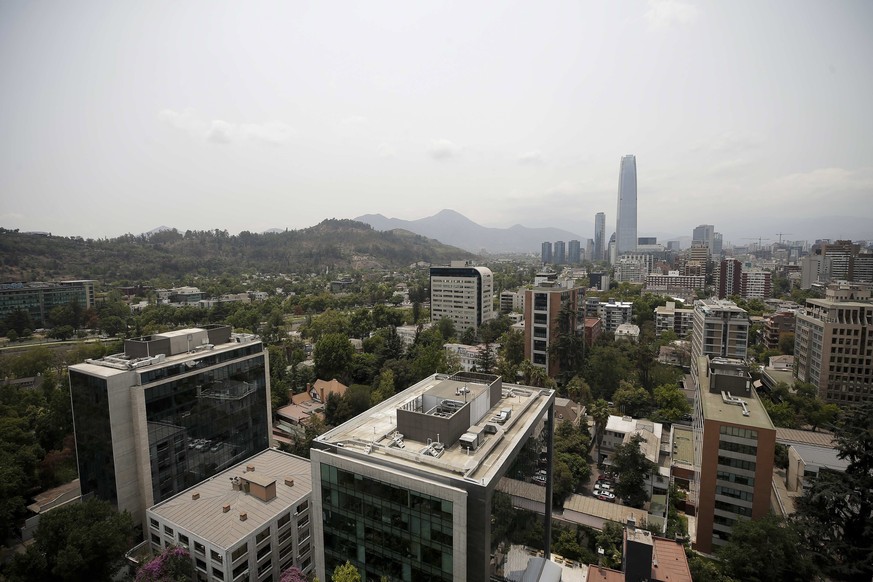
x=626, y=219
x=599, y=237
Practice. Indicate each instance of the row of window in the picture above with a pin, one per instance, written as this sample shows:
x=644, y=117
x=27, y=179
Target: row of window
x=738, y=448
x=738, y=432
x=736, y=463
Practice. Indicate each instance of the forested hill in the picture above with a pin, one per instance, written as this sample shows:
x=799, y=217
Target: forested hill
x=335, y=244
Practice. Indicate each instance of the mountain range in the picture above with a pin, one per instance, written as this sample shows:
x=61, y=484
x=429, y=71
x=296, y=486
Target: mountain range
x=453, y=228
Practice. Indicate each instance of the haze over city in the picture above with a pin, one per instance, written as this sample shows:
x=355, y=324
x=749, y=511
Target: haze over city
x=122, y=117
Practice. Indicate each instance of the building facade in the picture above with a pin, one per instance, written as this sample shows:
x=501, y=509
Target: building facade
x=574, y=252
x=729, y=278
x=600, y=237
x=38, y=299
x=721, y=329
x=756, y=284
x=546, y=253
x=172, y=410
x=462, y=293
x=250, y=522
x=405, y=490
x=543, y=323
x=559, y=254
x=626, y=217
x=676, y=319
x=673, y=282
x=734, y=447
x=833, y=344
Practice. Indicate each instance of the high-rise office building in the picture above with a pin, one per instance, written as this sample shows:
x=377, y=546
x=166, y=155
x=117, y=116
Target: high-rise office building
x=717, y=244
x=626, y=217
x=574, y=252
x=734, y=447
x=546, y=255
x=405, y=490
x=721, y=330
x=833, y=346
x=172, y=410
x=462, y=293
x=543, y=325
x=599, y=237
x=704, y=233
x=559, y=256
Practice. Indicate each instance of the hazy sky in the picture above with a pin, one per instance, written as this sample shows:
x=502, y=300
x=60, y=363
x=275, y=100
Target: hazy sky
x=122, y=116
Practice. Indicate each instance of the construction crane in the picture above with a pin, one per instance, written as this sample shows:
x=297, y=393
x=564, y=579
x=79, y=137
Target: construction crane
x=780, y=236
x=757, y=238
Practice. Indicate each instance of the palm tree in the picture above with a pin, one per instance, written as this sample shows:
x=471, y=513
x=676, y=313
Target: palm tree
x=600, y=414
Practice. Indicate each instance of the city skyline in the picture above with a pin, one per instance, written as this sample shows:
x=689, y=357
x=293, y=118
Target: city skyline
x=214, y=115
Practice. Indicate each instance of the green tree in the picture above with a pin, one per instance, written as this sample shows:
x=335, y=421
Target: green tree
x=632, y=466
x=385, y=389
x=610, y=539
x=605, y=367
x=632, y=400
x=485, y=360
x=786, y=343
x=332, y=356
x=78, y=541
x=600, y=414
x=670, y=403
x=346, y=573
x=765, y=550
x=578, y=390
x=835, y=514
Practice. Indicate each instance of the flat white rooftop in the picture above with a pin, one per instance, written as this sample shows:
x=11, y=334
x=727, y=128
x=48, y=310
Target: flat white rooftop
x=372, y=432
x=205, y=517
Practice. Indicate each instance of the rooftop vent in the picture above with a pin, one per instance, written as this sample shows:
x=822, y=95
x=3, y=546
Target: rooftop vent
x=225, y=508
x=289, y=481
x=243, y=516
x=250, y=468
x=195, y=496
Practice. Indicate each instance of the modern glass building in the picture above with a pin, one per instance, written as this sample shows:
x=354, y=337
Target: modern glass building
x=626, y=218
x=172, y=410
x=600, y=237
x=406, y=490
x=38, y=299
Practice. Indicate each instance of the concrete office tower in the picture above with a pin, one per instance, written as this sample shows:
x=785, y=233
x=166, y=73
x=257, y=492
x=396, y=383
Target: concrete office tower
x=559, y=256
x=574, y=252
x=734, y=446
x=172, y=410
x=717, y=244
x=599, y=237
x=38, y=299
x=626, y=218
x=462, y=293
x=405, y=490
x=546, y=255
x=834, y=344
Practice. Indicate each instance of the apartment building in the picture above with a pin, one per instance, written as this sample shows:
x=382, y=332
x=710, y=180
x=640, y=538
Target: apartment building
x=543, y=323
x=671, y=318
x=170, y=411
x=756, y=284
x=720, y=329
x=729, y=278
x=777, y=324
x=734, y=446
x=673, y=282
x=405, y=490
x=470, y=357
x=511, y=301
x=462, y=293
x=250, y=522
x=613, y=313
x=833, y=344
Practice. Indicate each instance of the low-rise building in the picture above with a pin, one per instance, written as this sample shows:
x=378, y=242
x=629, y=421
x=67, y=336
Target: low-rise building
x=470, y=357
x=673, y=282
x=628, y=331
x=249, y=522
x=777, y=324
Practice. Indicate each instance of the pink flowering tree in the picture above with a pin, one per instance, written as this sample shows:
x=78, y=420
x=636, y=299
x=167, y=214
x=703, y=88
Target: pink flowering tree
x=171, y=565
x=293, y=574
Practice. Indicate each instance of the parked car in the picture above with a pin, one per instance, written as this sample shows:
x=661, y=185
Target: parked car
x=539, y=479
x=605, y=496
x=602, y=487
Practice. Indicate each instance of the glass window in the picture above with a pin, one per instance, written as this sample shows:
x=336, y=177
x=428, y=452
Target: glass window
x=199, y=548
x=238, y=553
x=262, y=535
x=183, y=539
x=216, y=556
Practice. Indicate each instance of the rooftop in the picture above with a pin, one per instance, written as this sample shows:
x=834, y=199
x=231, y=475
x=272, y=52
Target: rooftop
x=717, y=407
x=669, y=562
x=205, y=517
x=683, y=448
x=448, y=399
x=821, y=457
x=604, y=509
x=790, y=436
